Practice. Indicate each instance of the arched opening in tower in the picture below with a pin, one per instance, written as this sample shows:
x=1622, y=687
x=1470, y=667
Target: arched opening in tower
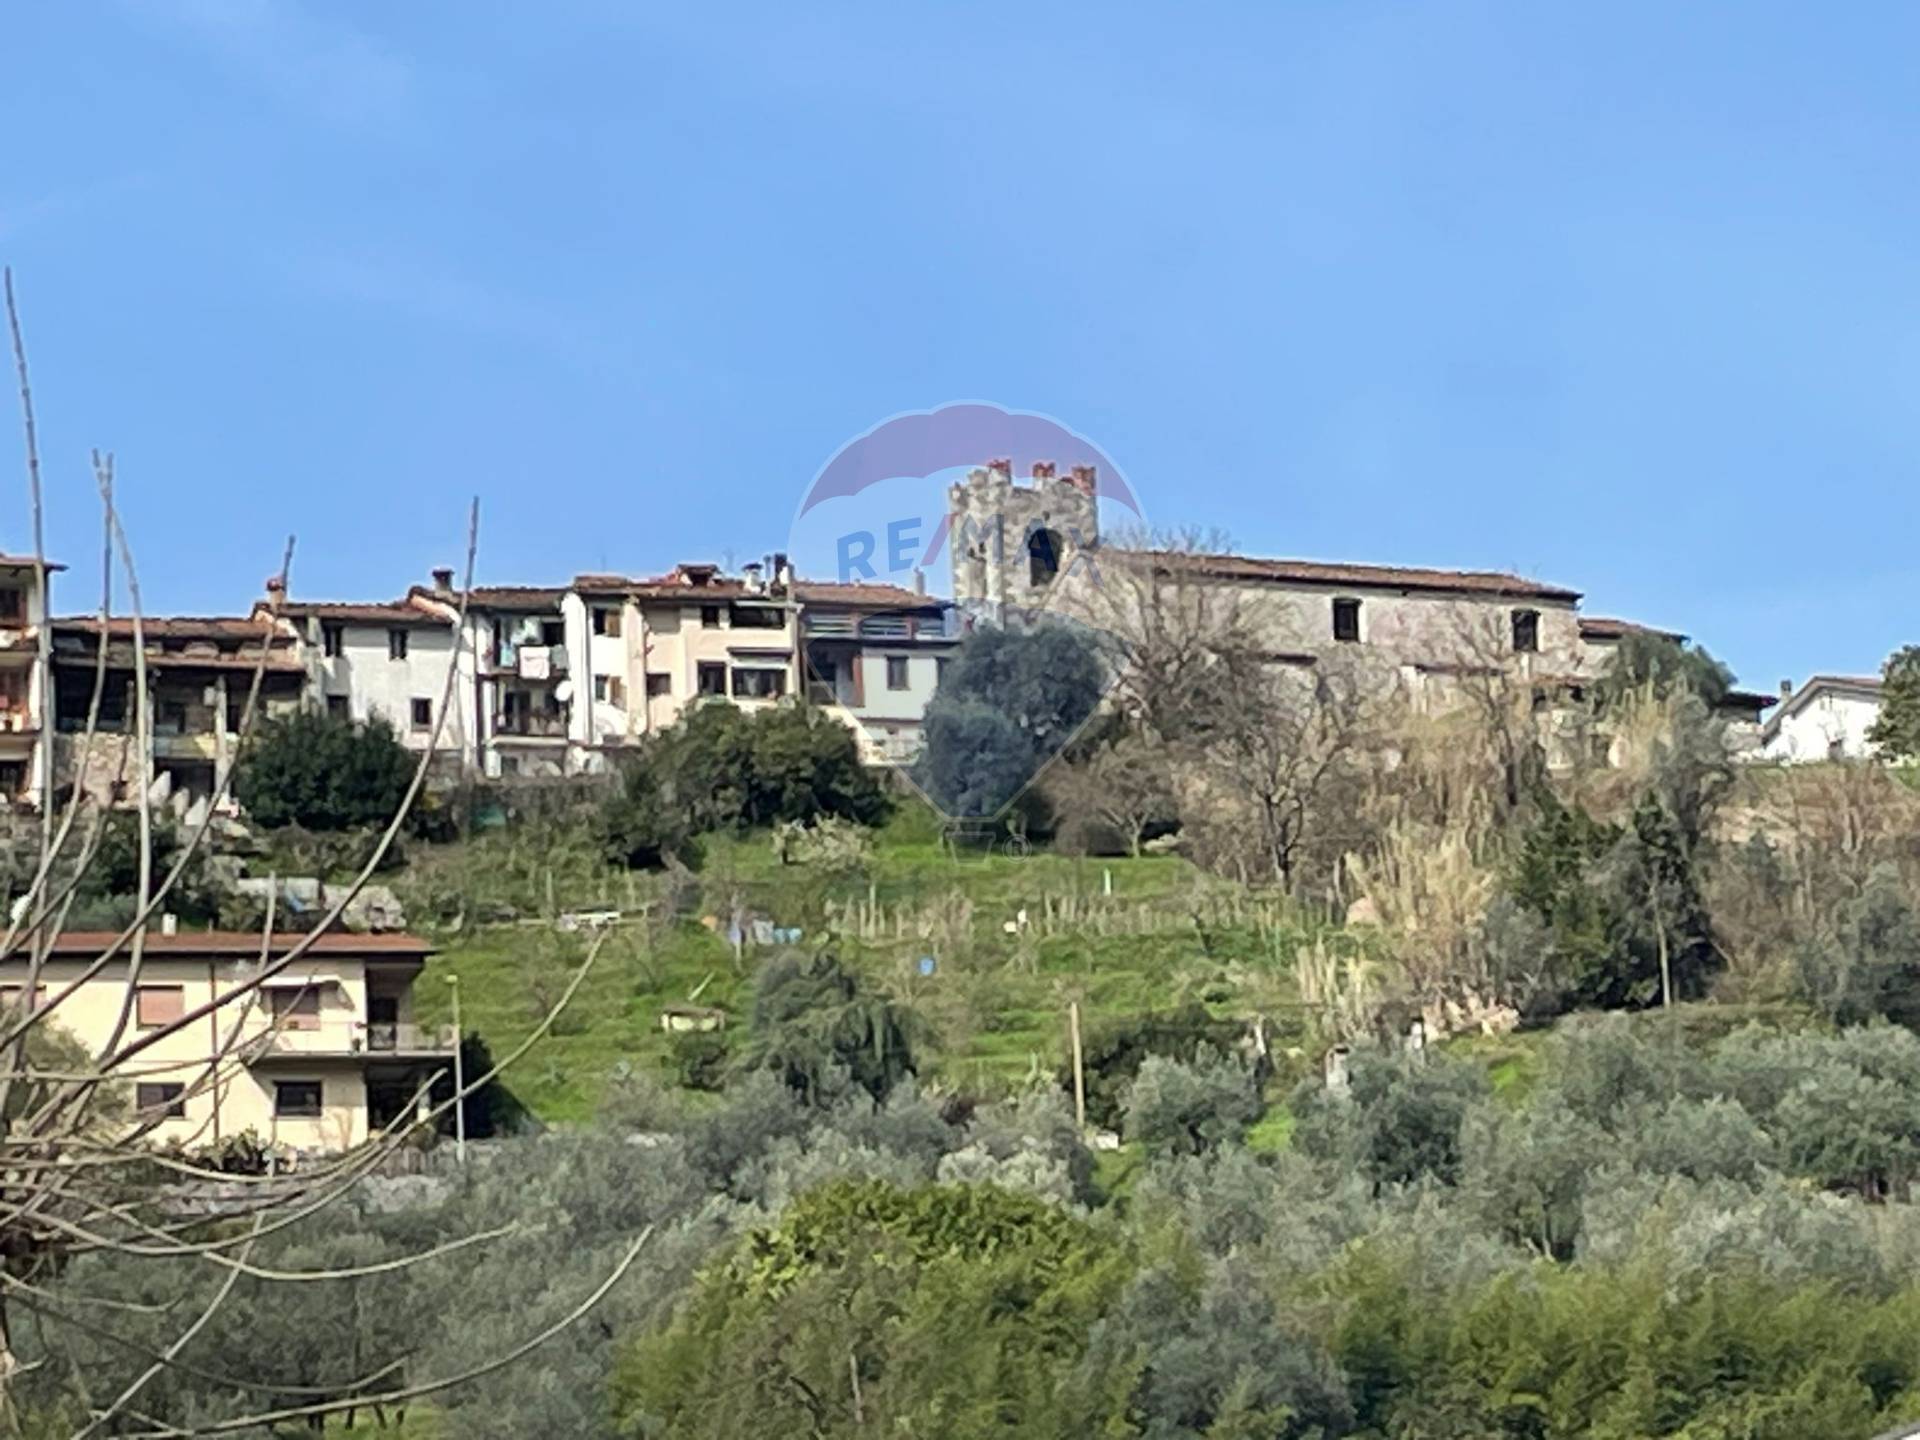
x=1043, y=557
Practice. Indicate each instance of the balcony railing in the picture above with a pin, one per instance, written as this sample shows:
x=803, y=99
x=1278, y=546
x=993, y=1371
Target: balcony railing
x=355, y=1037
x=533, y=726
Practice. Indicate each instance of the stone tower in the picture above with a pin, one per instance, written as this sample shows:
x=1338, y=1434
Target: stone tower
x=1017, y=546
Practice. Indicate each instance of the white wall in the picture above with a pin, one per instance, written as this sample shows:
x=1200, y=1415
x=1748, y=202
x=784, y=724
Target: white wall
x=376, y=684
x=1831, y=724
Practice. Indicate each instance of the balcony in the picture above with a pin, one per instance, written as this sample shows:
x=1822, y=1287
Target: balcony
x=340, y=1039
x=204, y=746
x=520, y=725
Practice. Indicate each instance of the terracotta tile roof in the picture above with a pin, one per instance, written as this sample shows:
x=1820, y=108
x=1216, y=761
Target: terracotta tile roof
x=1603, y=627
x=169, y=627
x=495, y=597
x=863, y=594
x=662, y=587
x=393, y=612
x=1378, y=577
x=243, y=943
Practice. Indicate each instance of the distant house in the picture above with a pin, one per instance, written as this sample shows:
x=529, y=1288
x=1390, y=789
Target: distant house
x=868, y=654
x=1825, y=719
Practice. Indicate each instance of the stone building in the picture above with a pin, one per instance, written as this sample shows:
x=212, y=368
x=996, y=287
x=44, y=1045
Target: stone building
x=199, y=671
x=1034, y=546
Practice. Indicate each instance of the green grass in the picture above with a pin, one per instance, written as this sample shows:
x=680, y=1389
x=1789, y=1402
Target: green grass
x=1125, y=942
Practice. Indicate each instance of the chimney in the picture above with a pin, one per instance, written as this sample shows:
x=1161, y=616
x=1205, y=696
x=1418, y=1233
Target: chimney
x=443, y=580
x=1001, y=469
x=1082, y=479
x=782, y=572
x=276, y=590
x=919, y=581
x=1044, y=470
x=1786, y=689
x=750, y=573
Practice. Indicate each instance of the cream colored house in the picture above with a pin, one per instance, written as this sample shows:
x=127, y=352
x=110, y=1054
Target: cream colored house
x=319, y=1057
x=643, y=650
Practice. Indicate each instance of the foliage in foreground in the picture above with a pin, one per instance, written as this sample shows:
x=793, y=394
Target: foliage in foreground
x=323, y=772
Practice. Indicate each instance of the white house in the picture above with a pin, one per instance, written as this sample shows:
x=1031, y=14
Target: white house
x=1825, y=719
x=387, y=659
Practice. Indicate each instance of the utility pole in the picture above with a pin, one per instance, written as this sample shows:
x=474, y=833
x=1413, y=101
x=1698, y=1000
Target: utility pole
x=459, y=1079
x=1079, y=1068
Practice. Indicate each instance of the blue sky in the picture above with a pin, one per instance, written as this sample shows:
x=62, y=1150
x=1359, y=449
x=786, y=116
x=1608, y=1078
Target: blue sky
x=1621, y=297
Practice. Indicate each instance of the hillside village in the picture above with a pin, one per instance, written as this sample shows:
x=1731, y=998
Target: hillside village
x=556, y=680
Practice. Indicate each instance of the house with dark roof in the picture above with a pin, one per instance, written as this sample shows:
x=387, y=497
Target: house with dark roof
x=1827, y=718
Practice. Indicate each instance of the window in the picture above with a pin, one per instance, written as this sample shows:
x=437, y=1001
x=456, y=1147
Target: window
x=610, y=690
x=940, y=664
x=758, y=683
x=1346, y=620
x=606, y=620
x=396, y=644
x=758, y=617
x=296, y=1099
x=13, y=606
x=164, y=1101
x=331, y=639
x=710, y=616
x=896, y=672
x=337, y=707
x=1526, y=632
x=1043, y=557
x=173, y=717
x=294, y=1009
x=157, y=1005
x=713, y=678
x=422, y=713
x=658, y=684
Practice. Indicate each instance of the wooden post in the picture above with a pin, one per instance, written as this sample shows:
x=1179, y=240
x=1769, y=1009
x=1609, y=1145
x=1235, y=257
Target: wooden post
x=1079, y=1066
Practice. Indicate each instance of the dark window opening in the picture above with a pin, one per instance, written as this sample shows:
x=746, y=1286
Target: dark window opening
x=606, y=620
x=896, y=672
x=1346, y=620
x=332, y=637
x=1526, y=632
x=294, y=1009
x=337, y=707
x=758, y=617
x=658, y=684
x=165, y=1101
x=422, y=713
x=396, y=644
x=1043, y=557
x=758, y=683
x=713, y=678
x=710, y=616
x=296, y=1099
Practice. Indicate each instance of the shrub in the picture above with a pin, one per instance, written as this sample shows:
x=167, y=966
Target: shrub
x=323, y=772
x=1176, y=1108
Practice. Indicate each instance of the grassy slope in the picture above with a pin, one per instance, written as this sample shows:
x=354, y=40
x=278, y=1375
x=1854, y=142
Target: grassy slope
x=997, y=1002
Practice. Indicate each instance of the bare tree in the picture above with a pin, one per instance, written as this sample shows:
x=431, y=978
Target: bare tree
x=77, y=1167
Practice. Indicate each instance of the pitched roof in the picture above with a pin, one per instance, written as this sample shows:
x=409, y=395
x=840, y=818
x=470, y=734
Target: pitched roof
x=495, y=597
x=1603, y=627
x=1357, y=576
x=864, y=594
x=15, y=562
x=243, y=943
x=171, y=627
x=392, y=612
x=1866, y=685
